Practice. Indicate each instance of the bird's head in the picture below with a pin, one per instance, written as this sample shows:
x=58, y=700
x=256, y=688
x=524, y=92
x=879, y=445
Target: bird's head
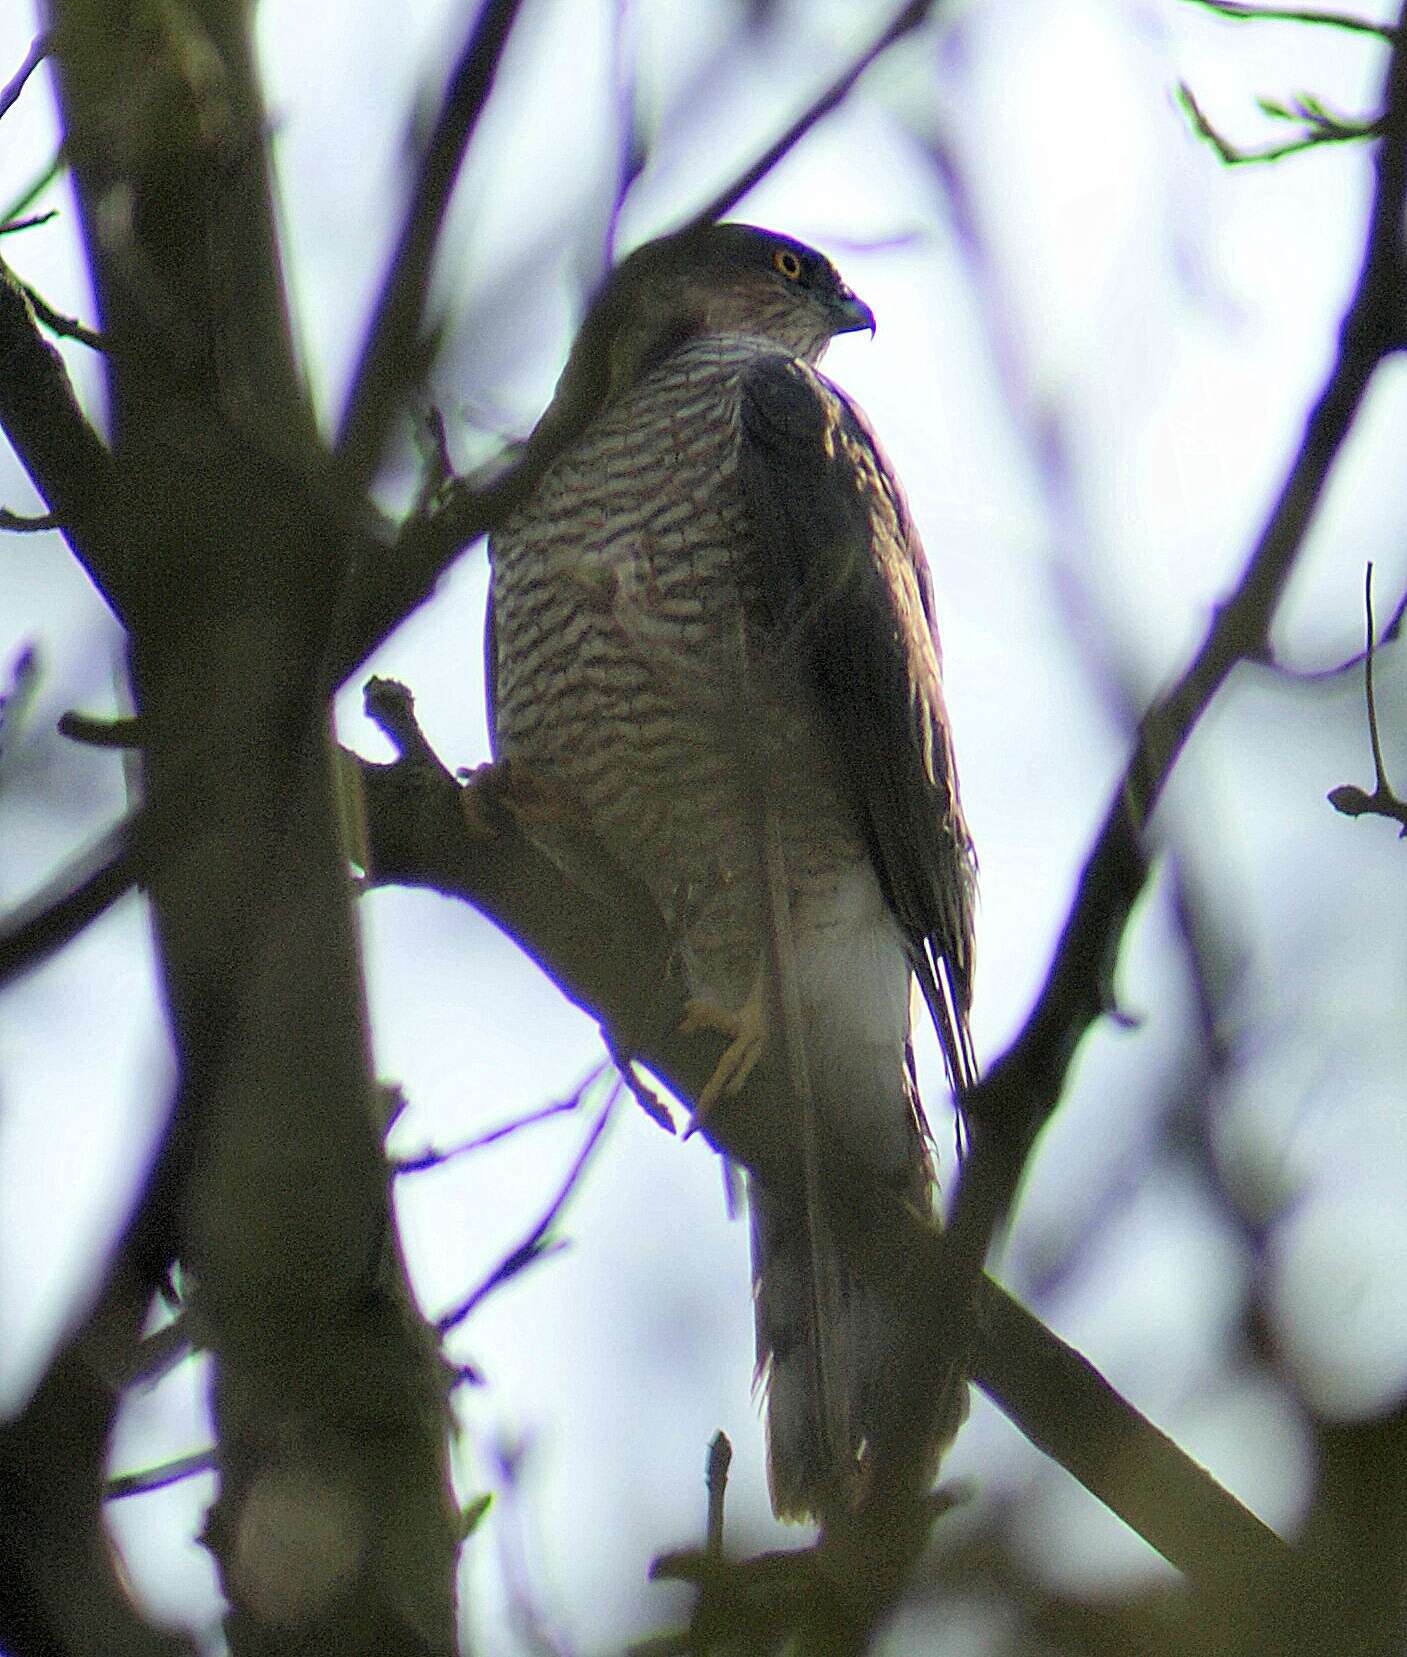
x=706, y=279
x=739, y=279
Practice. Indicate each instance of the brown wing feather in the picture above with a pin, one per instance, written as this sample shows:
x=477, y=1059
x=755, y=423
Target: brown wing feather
x=847, y=600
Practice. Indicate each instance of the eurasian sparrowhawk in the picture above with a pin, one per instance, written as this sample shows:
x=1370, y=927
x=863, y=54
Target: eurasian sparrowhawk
x=712, y=624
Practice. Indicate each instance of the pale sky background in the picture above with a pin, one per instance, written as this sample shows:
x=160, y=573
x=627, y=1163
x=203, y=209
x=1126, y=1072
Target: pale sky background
x=1159, y=320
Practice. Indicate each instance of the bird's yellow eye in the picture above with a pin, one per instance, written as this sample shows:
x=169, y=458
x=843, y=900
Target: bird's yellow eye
x=787, y=262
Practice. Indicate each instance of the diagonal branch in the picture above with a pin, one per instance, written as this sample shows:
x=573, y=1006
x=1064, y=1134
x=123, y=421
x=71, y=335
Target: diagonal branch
x=107, y=871
x=1022, y=1090
x=1320, y=128
x=908, y=18
x=9, y=93
x=65, y=327
x=606, y=947
x=392, y=354
x=67, y=461
x=535, y=1245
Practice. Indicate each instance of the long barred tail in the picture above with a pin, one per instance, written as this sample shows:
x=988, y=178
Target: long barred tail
x=860, y=1398
x=829, y=1358
x=804, y=1362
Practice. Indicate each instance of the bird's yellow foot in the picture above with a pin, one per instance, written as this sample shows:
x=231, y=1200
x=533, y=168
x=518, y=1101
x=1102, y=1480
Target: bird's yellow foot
x=747, y=1029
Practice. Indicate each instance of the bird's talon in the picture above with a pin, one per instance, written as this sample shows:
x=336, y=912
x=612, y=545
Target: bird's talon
x=748, y=1031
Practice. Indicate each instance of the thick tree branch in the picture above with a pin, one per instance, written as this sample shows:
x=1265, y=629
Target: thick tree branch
x=334, y=1515
x=603, y=942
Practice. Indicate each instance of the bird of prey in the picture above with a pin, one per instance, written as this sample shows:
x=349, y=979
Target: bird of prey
x=712, y=625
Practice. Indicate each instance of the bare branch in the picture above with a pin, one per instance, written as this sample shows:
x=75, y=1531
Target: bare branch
x=159, y=1478
x=392, y=355
x=1382, y=802
x=559, y=1107
x=1323, y=675
x=66, y=460
x=12, y=227
x=31, y=933
x=32, y=191
x=1022, y=1090
x=905, y=21
x=9, y=93
x=1379, y=773
x=1324, y=128
x=1241, y=11
x=536, y=1244
x=65, y=327
x=17, y=523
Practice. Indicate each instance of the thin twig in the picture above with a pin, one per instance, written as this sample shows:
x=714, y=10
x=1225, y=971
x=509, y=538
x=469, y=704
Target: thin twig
x=68, y=463
x=1241, y=11
x=12, y=227
x=1382, y=802
x=1323, y=129
x=433, y=1158
x=534, y=1246
x=31, y=192
x=1379, y=773
x=65, y=327
x=19, y=524
x=9, y=93
x=1324, y=675
x=391, y=355
x=158, y=1478
x=908, y=18
x=720, y=1458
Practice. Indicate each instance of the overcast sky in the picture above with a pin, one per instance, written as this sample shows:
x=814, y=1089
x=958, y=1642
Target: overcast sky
x=1090, y=381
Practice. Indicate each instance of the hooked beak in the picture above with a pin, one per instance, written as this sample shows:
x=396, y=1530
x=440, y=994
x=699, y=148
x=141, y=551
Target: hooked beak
x=852, y=314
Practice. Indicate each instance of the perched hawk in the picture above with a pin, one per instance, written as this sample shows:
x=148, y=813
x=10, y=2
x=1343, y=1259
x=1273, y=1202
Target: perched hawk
x=713, y=624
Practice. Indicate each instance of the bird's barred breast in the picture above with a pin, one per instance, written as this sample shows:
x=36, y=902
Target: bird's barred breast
x=625, y=673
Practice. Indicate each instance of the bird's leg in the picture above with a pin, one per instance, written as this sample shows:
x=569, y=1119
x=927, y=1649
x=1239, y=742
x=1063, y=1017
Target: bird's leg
x=747, y=1032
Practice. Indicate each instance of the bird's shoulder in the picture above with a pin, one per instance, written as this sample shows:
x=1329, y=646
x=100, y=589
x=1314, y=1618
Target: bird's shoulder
x=798, y=422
